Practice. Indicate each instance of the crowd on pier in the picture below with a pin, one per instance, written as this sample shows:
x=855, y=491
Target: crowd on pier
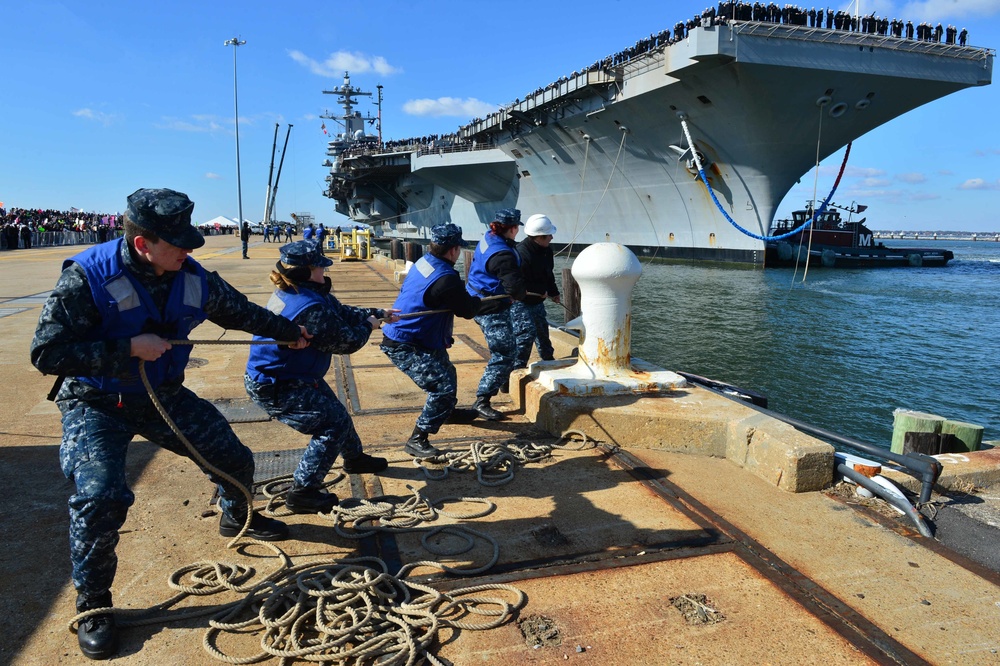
x=27, y=227
x=726, y=12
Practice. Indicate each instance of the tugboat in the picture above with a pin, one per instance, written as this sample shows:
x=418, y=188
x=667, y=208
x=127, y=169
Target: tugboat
x=833, y=242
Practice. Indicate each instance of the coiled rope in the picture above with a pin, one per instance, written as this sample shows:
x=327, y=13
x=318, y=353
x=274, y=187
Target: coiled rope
x=329, y=611
x=495, y=462
x=711, y=192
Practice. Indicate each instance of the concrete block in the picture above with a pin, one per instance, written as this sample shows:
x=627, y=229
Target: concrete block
x=689, y=420
x=780, y=454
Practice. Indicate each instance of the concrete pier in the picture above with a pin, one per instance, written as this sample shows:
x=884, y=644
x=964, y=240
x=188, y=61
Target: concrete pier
x=685, y=494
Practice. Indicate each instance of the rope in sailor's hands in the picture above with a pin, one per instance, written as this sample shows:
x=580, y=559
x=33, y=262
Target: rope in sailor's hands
x=373, y=631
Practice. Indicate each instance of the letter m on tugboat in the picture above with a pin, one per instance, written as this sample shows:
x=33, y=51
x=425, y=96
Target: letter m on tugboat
x=832, y=241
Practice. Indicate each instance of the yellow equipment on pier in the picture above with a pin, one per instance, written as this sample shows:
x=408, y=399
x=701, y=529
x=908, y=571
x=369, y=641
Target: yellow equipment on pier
x=355, y=245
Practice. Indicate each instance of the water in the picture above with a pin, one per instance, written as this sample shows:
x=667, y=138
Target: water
x=842, y=350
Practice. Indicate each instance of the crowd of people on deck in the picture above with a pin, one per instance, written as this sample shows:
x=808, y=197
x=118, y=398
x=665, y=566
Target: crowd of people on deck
x=727, y=11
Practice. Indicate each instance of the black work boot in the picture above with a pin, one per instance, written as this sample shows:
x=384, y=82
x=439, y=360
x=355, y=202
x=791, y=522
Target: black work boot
x=303, y=499
x=418, y=446
x=483, y=407
x=261, y=527
x=365, y=464
x=97, y=634
x=462, y=415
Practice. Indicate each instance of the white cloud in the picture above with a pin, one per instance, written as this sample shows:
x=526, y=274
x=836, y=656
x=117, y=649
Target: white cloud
x=449, y=106
x=979, y=184
x=343, y=61
x=98, y=116
x=198, y=123
x=862, y=172
x=875, y=182
x=212, y=176
x=913, y=178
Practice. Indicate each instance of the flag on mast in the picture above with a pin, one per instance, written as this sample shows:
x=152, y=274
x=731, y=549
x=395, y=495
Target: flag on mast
x=323, y=127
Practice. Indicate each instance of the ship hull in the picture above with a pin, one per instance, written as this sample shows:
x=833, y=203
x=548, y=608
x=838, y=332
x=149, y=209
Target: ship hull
x=603, y=154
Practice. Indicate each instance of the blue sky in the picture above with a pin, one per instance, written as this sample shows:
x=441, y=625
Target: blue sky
x=101, y=98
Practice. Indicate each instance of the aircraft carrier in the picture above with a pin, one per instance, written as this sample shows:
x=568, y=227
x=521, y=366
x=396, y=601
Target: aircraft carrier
x=613, y=153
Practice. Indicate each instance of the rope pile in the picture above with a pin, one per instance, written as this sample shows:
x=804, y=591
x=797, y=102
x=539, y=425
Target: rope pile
x=495, y=463
x=330, y=611
x=354, y=611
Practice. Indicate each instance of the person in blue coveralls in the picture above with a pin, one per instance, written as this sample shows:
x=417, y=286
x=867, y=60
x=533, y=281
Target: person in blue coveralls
x=419, y=345
x=530, y=323
x=496, y=270
x=115, y=305
x=290, y=385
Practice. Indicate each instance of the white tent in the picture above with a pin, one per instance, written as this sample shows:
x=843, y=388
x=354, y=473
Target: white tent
x=221, y=221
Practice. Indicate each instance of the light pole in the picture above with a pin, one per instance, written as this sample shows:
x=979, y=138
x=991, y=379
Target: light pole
x=235, y=42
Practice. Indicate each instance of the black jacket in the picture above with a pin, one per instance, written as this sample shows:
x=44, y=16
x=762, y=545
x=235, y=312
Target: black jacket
x=536, y=267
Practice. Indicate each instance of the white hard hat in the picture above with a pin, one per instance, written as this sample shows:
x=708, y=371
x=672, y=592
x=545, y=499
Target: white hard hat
x=539, y=225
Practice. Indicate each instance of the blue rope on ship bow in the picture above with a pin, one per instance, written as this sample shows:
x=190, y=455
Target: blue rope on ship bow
x=711, y=192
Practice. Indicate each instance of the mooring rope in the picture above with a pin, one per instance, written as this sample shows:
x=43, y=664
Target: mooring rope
x=495, y=463
x=328, y=610
x=711, y=192
x=614, y=167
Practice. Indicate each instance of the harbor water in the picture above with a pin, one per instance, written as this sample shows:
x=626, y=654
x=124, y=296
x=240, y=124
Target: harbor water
x=842, y=349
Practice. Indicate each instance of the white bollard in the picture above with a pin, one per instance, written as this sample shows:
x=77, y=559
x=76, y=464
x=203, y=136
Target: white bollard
x=606, y=273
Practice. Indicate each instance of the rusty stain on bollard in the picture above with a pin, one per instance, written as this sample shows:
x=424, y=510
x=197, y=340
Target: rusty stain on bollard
x=606, y=274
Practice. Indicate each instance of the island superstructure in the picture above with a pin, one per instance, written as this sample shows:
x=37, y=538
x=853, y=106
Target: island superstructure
x=605, y=152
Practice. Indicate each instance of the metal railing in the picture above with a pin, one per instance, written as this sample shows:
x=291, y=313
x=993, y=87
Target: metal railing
x=849, y=38
x=58, y=238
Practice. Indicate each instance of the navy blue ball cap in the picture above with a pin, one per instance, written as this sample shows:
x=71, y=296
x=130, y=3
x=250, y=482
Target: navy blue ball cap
x=508, y=216
x=447, y=235
x=167, y=214
x=304, y=253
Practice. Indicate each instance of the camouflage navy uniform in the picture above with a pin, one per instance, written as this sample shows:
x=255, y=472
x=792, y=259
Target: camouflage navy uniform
x=289, y=385
x=99, y=424
x=495, y=270
x=419, y=345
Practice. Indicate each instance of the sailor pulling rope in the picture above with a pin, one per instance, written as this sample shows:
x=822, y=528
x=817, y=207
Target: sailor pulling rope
x=401, y=632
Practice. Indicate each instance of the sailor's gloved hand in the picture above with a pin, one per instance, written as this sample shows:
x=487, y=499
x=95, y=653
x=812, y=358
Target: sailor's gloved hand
x=149, y=346
x=390, y=316
x=555, y=299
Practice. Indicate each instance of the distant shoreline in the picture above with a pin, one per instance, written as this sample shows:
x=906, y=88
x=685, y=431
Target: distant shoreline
x=986, y=237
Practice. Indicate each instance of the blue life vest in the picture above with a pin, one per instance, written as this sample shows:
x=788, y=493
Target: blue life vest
x=480, y=282
x=307, y=233
x=128, y=310
x=270, y=363
x=431, y=331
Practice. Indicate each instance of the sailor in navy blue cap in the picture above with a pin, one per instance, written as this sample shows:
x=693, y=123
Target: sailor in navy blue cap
x=166, y=213
x=116, y=304
x=418, y=345
x=291, y=387
x=304, y=253
x=496, y=270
